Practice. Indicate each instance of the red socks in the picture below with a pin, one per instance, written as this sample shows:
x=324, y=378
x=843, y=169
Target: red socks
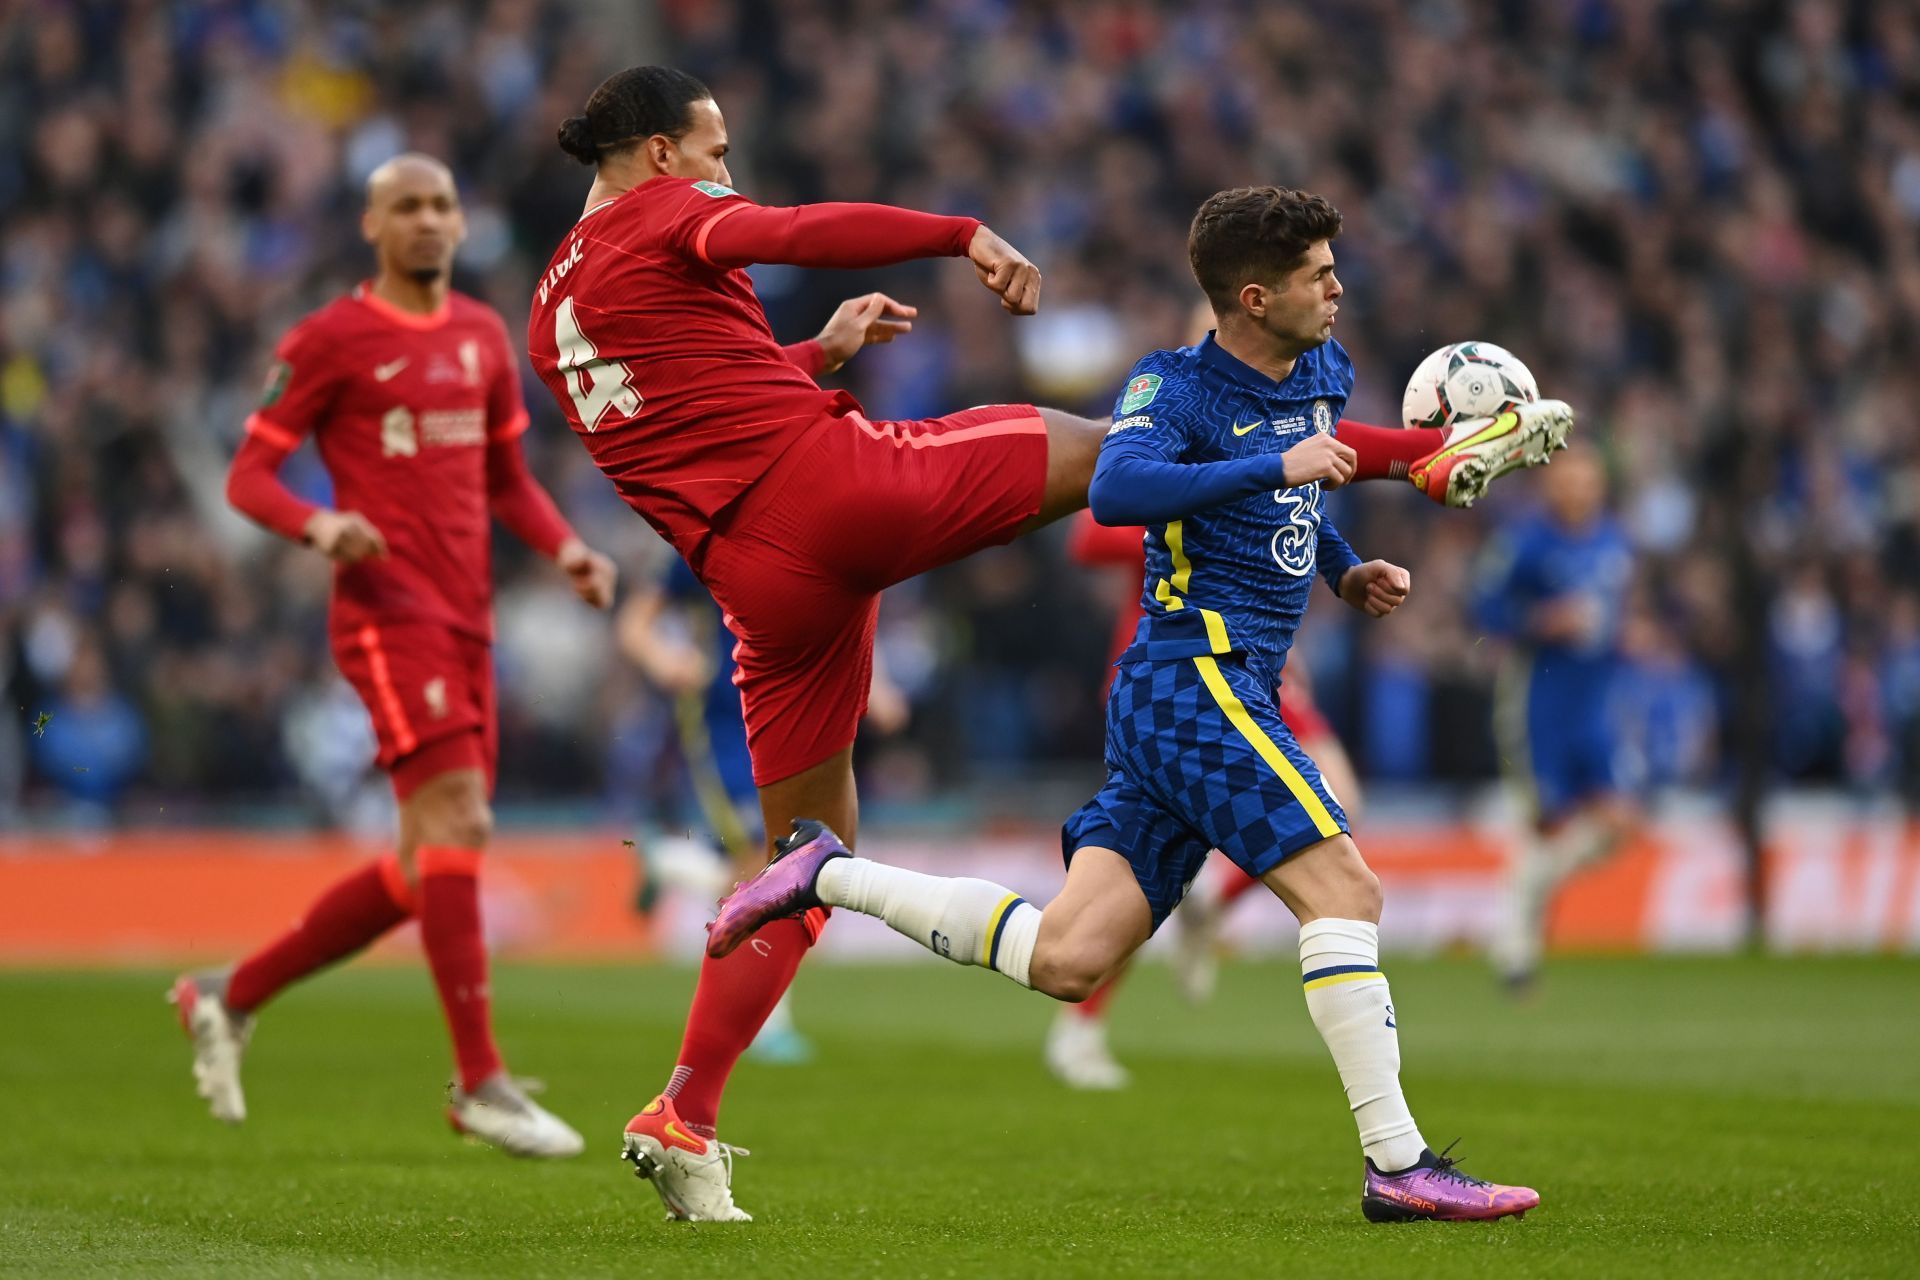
x=449, y=908
x=1385, y=453
x=343, y=920
x=1094, y=1007
x=1234, y=884
x=732, y=1000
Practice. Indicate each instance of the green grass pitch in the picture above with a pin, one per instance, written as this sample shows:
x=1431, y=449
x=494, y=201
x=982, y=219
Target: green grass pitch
x=1681, y=1117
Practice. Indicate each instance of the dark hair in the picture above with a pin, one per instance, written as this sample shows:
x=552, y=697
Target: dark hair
x=628, y=106
x=1254, y=234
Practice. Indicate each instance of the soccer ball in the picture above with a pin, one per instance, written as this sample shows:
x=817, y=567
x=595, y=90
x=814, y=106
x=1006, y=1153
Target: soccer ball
x=1465, y=380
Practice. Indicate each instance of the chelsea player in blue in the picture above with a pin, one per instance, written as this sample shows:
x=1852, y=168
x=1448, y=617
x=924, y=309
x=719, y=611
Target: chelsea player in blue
x=1223, y=450
x=1555, y=586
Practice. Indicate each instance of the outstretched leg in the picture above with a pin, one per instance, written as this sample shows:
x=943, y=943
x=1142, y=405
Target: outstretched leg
x=1066, y=951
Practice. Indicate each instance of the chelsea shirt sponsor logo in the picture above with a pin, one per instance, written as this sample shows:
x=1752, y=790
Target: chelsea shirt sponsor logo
x=1137, y=420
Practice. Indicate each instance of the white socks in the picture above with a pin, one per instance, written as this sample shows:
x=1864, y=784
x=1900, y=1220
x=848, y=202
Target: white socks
x=1541, y=866
x=966, y=920
x=1353, y=1010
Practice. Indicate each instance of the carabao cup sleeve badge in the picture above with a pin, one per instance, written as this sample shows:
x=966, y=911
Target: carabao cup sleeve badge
x=1140, y=392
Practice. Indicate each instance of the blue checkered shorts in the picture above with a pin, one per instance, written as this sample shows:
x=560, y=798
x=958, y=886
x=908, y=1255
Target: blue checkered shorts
x=1198, y=759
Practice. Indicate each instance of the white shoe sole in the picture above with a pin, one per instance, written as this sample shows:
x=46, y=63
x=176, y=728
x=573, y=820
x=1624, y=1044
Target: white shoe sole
x=648, y=1159
x=1533, y=444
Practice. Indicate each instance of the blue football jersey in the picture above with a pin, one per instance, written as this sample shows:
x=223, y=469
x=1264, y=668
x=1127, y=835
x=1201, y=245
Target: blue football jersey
x=1537, y=561
x=1234, y=577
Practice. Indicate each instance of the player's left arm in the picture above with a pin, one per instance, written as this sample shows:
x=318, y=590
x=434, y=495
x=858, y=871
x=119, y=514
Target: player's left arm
x=1374, y=587
x=522, y=503
x=870, y=320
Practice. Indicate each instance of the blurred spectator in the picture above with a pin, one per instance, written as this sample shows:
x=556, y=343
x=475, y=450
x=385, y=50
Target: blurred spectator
x=1699, y=221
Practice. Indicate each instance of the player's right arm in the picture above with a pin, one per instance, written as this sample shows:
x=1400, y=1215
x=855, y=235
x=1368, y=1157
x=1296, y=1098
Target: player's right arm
x=725, y=230
x=299, y=391
x=1137, y=479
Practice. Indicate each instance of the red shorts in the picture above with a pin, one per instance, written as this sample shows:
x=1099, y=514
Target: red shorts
x=429, y=690
x=1303, y=716
x=800, y=565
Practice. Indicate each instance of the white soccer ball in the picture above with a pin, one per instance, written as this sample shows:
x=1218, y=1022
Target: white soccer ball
x=1465, y=380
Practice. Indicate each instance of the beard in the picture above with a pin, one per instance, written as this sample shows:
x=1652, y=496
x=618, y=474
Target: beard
x=425, y=275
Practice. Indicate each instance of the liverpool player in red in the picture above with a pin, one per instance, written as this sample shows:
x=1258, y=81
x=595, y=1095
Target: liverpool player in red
x=412, y=395
x=793, y=508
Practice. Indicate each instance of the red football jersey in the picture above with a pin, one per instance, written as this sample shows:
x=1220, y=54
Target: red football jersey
x=657, y=350
x=402, y=407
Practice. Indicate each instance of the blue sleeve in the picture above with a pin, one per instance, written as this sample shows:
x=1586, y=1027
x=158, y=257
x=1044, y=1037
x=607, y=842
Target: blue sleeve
x=1335, y=557
x=1496, y=604
x=1133, y=483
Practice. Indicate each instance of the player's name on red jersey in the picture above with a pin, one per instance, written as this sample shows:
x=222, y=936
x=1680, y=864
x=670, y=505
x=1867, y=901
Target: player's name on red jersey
x=657, y=350
x=402, y=407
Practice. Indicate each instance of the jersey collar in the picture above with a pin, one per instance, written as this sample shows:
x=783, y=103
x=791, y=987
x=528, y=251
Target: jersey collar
x=363, y=293
x=1220, y=360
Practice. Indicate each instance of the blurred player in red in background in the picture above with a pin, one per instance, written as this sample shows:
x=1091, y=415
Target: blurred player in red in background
x=412, y=396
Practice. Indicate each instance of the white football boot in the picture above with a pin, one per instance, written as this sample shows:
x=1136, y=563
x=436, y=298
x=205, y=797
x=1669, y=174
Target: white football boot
x=693, y=1175
x=219, y=1042
x=1078, y=1055
x=1196, y=941
x=501, y=1115
x=1481, y=450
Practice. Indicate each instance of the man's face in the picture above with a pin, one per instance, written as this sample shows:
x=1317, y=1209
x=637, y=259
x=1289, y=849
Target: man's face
x=1575, y=487
x=1301, y=310
x=413, y=220
x=701, y=152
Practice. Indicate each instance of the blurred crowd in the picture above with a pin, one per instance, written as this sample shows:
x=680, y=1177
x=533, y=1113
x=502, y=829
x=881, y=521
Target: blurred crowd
x=1697, y=221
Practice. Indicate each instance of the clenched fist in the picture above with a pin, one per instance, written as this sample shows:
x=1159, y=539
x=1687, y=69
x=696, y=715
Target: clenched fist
x=1319, y=457
x=345, y=537
x=1376, y=588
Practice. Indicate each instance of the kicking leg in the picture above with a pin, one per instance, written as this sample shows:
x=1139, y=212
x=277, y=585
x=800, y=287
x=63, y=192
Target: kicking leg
x=1073, y=446
x=1099, y=918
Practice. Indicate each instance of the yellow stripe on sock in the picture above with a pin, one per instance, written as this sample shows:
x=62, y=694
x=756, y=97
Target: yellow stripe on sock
x=994, y=926
x=1236, y=712
x=1339, y=978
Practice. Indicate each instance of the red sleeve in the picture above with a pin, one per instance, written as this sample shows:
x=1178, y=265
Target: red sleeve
x=300, y=388
x=254, y=488
x=519, y=501
x=506, y=411
x=1094, y=543
x=736, y=232
x=808, y=357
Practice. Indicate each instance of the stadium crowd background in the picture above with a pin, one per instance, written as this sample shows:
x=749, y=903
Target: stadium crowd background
x=1699, y=222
